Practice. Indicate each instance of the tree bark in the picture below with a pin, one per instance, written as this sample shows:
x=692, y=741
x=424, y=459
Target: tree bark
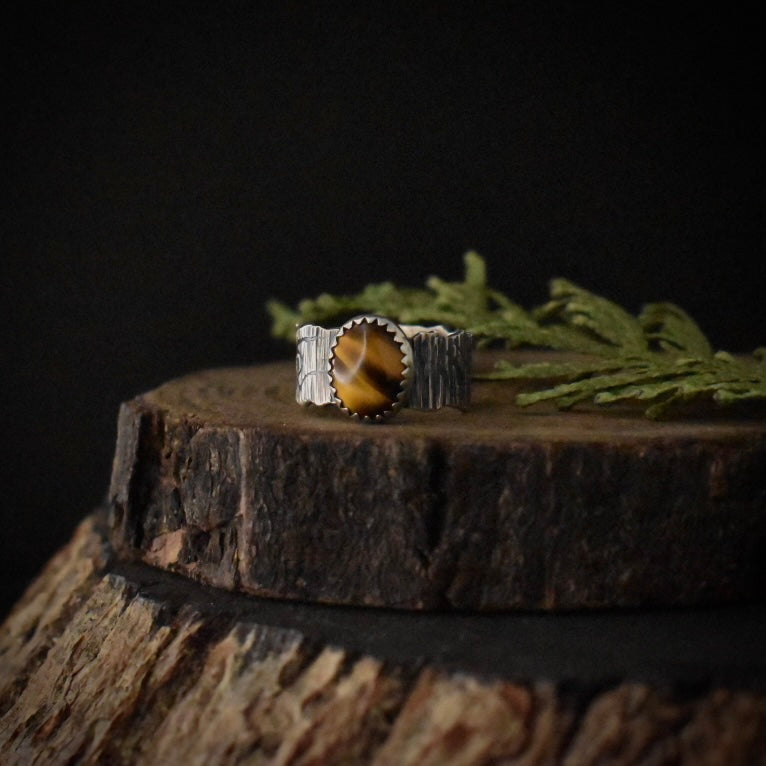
x=104, y=662
x=220, y=476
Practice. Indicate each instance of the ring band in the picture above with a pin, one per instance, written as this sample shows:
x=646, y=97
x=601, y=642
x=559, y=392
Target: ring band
x=371, y=366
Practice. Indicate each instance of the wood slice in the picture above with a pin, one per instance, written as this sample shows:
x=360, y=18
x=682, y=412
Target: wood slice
x=104, y=662
x=222, y=477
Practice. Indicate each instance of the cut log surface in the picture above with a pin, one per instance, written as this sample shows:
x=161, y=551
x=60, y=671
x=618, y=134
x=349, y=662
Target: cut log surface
x=222, y=477
x=107, y=662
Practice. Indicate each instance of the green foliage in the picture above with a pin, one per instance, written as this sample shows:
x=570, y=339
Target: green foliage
x=459, y=304
x=660, y=358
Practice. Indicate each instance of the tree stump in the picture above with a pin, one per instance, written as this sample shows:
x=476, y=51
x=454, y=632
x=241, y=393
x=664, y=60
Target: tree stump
x=104, y=662
x=221, y=477
x=487, y=528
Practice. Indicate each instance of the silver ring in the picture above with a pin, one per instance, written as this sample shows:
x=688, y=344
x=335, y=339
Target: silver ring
x=371, y=367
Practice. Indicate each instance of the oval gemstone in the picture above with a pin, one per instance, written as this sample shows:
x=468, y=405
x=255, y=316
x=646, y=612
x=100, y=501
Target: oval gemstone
x=367, y=369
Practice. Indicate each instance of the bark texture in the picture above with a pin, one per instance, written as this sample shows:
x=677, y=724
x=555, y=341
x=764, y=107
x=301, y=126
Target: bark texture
x=98, y=668
x=220, y=476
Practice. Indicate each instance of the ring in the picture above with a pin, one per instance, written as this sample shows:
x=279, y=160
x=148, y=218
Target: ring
x=371, y=366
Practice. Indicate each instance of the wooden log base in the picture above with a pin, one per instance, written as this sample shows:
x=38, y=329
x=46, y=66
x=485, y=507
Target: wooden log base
x=220, y=476
x=108, y=663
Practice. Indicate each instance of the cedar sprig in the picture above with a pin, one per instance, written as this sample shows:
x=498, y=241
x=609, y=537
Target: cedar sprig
x=660, y=358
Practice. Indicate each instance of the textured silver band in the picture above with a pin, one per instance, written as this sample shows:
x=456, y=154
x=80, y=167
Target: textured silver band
x=441, y=366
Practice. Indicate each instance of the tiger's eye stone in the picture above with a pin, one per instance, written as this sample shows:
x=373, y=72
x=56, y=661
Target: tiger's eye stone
x=367, y=369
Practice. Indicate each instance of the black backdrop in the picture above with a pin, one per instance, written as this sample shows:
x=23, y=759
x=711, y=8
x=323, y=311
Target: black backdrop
x=169, y=170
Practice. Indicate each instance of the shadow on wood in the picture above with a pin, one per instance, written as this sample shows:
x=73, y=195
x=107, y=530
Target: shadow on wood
x=136, y=666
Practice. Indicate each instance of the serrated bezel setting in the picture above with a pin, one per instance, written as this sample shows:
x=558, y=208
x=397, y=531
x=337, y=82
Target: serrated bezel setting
x=398, y=336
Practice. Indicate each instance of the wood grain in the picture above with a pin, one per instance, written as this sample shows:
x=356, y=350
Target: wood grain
x=220, y=476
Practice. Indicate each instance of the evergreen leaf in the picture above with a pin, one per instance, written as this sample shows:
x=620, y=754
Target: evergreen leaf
x=535, y=370
x=606, y=320
x=672, y=329
x=283, y=319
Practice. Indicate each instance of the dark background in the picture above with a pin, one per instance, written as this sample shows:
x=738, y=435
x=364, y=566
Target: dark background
x=169, y=170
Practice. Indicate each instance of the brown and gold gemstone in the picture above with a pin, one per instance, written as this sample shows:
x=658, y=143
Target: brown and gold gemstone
x=367, y=368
